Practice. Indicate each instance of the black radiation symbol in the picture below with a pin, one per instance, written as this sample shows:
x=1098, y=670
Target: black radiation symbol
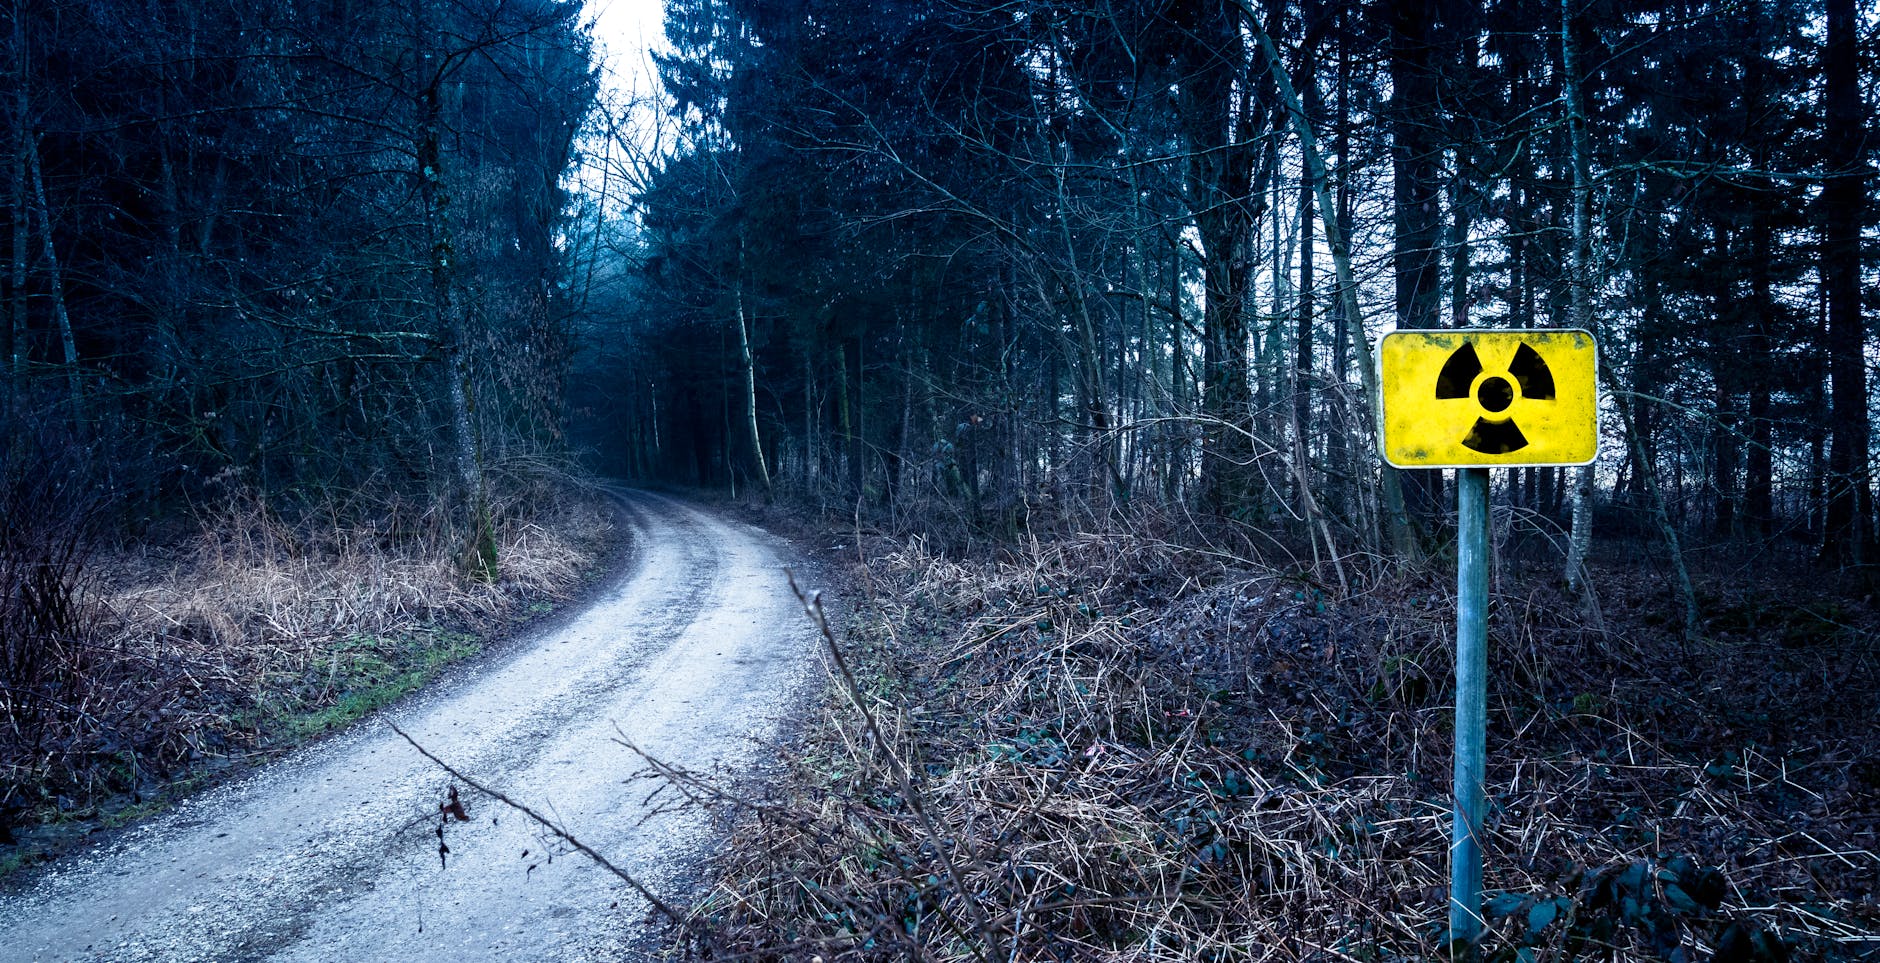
x=1495, y=433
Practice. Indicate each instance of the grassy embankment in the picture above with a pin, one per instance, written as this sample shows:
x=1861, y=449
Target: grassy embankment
x=171, y=664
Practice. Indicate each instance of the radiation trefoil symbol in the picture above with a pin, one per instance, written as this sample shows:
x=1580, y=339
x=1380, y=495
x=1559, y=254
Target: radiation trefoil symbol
x=1459, y=398
x=1495, y=432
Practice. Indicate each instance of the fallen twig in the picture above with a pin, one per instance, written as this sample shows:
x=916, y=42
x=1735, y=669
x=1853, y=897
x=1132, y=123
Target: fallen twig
x=584, y=849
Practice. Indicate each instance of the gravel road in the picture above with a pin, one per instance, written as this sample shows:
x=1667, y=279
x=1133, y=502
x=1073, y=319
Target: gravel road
x=695, y=652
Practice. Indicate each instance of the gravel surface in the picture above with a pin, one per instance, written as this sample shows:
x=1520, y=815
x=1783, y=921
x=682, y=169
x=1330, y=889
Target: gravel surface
x=695, y=653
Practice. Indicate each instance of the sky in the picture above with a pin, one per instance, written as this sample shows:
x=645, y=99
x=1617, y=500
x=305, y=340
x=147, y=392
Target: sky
x=635, y=132
x=624, y=30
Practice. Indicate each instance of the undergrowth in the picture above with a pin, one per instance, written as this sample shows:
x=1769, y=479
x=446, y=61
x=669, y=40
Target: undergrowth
x=259, y=631
x=1128, y=751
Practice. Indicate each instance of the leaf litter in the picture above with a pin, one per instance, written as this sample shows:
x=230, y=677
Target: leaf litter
x=1133, y=752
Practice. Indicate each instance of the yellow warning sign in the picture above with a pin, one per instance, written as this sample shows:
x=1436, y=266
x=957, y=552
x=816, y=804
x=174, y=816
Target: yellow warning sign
x=1464, y=398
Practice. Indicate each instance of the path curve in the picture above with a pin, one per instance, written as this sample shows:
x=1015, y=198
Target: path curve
x=695, y=652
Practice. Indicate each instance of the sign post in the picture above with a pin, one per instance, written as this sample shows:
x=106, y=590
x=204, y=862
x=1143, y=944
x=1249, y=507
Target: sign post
x=1465, y=834
x=1472, y=400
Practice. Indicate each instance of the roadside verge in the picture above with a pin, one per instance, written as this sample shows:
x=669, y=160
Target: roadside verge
x=229, y=646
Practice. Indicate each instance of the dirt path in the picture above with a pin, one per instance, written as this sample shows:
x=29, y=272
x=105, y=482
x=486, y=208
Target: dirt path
x=331, y=853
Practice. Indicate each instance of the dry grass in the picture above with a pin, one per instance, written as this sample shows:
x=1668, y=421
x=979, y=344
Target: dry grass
x=1131, y=752
x=253, y=583
x=257, y=631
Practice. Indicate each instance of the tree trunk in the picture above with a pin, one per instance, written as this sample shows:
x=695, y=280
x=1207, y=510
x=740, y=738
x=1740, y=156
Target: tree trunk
x=1397, y=521
x=1217, y=128
x=811, y=455
x=1416, y=170
x=1759, y=477
x=1338, y=442
x=1090, y=387
x=1723, y=450
x=750, y=377
x=16, y=279
x=1579, y=281
x=845, y=423
x=1843, y=202
x=1818, y=434
x=1302, y=331
x=62, y=321
x=1177, y=467
x=1649, y=474
x=480, y=552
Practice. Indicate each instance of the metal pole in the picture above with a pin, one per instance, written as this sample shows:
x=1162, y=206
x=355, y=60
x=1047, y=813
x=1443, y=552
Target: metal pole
x=1465, y=848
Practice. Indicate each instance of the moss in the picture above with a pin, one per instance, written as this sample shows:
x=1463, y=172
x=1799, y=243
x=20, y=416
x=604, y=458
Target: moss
x=370, y=673
x=15, y=859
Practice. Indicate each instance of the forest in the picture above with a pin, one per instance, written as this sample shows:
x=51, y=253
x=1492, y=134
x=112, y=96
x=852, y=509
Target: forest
x=1062, y=319
x=288, y=333
x=292, y=248
x=1086, y=257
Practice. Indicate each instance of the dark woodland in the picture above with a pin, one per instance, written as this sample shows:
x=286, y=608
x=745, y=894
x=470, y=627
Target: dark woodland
x=990, y=261
x=286, y=285
x=1087, y=292
x=980, y=262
